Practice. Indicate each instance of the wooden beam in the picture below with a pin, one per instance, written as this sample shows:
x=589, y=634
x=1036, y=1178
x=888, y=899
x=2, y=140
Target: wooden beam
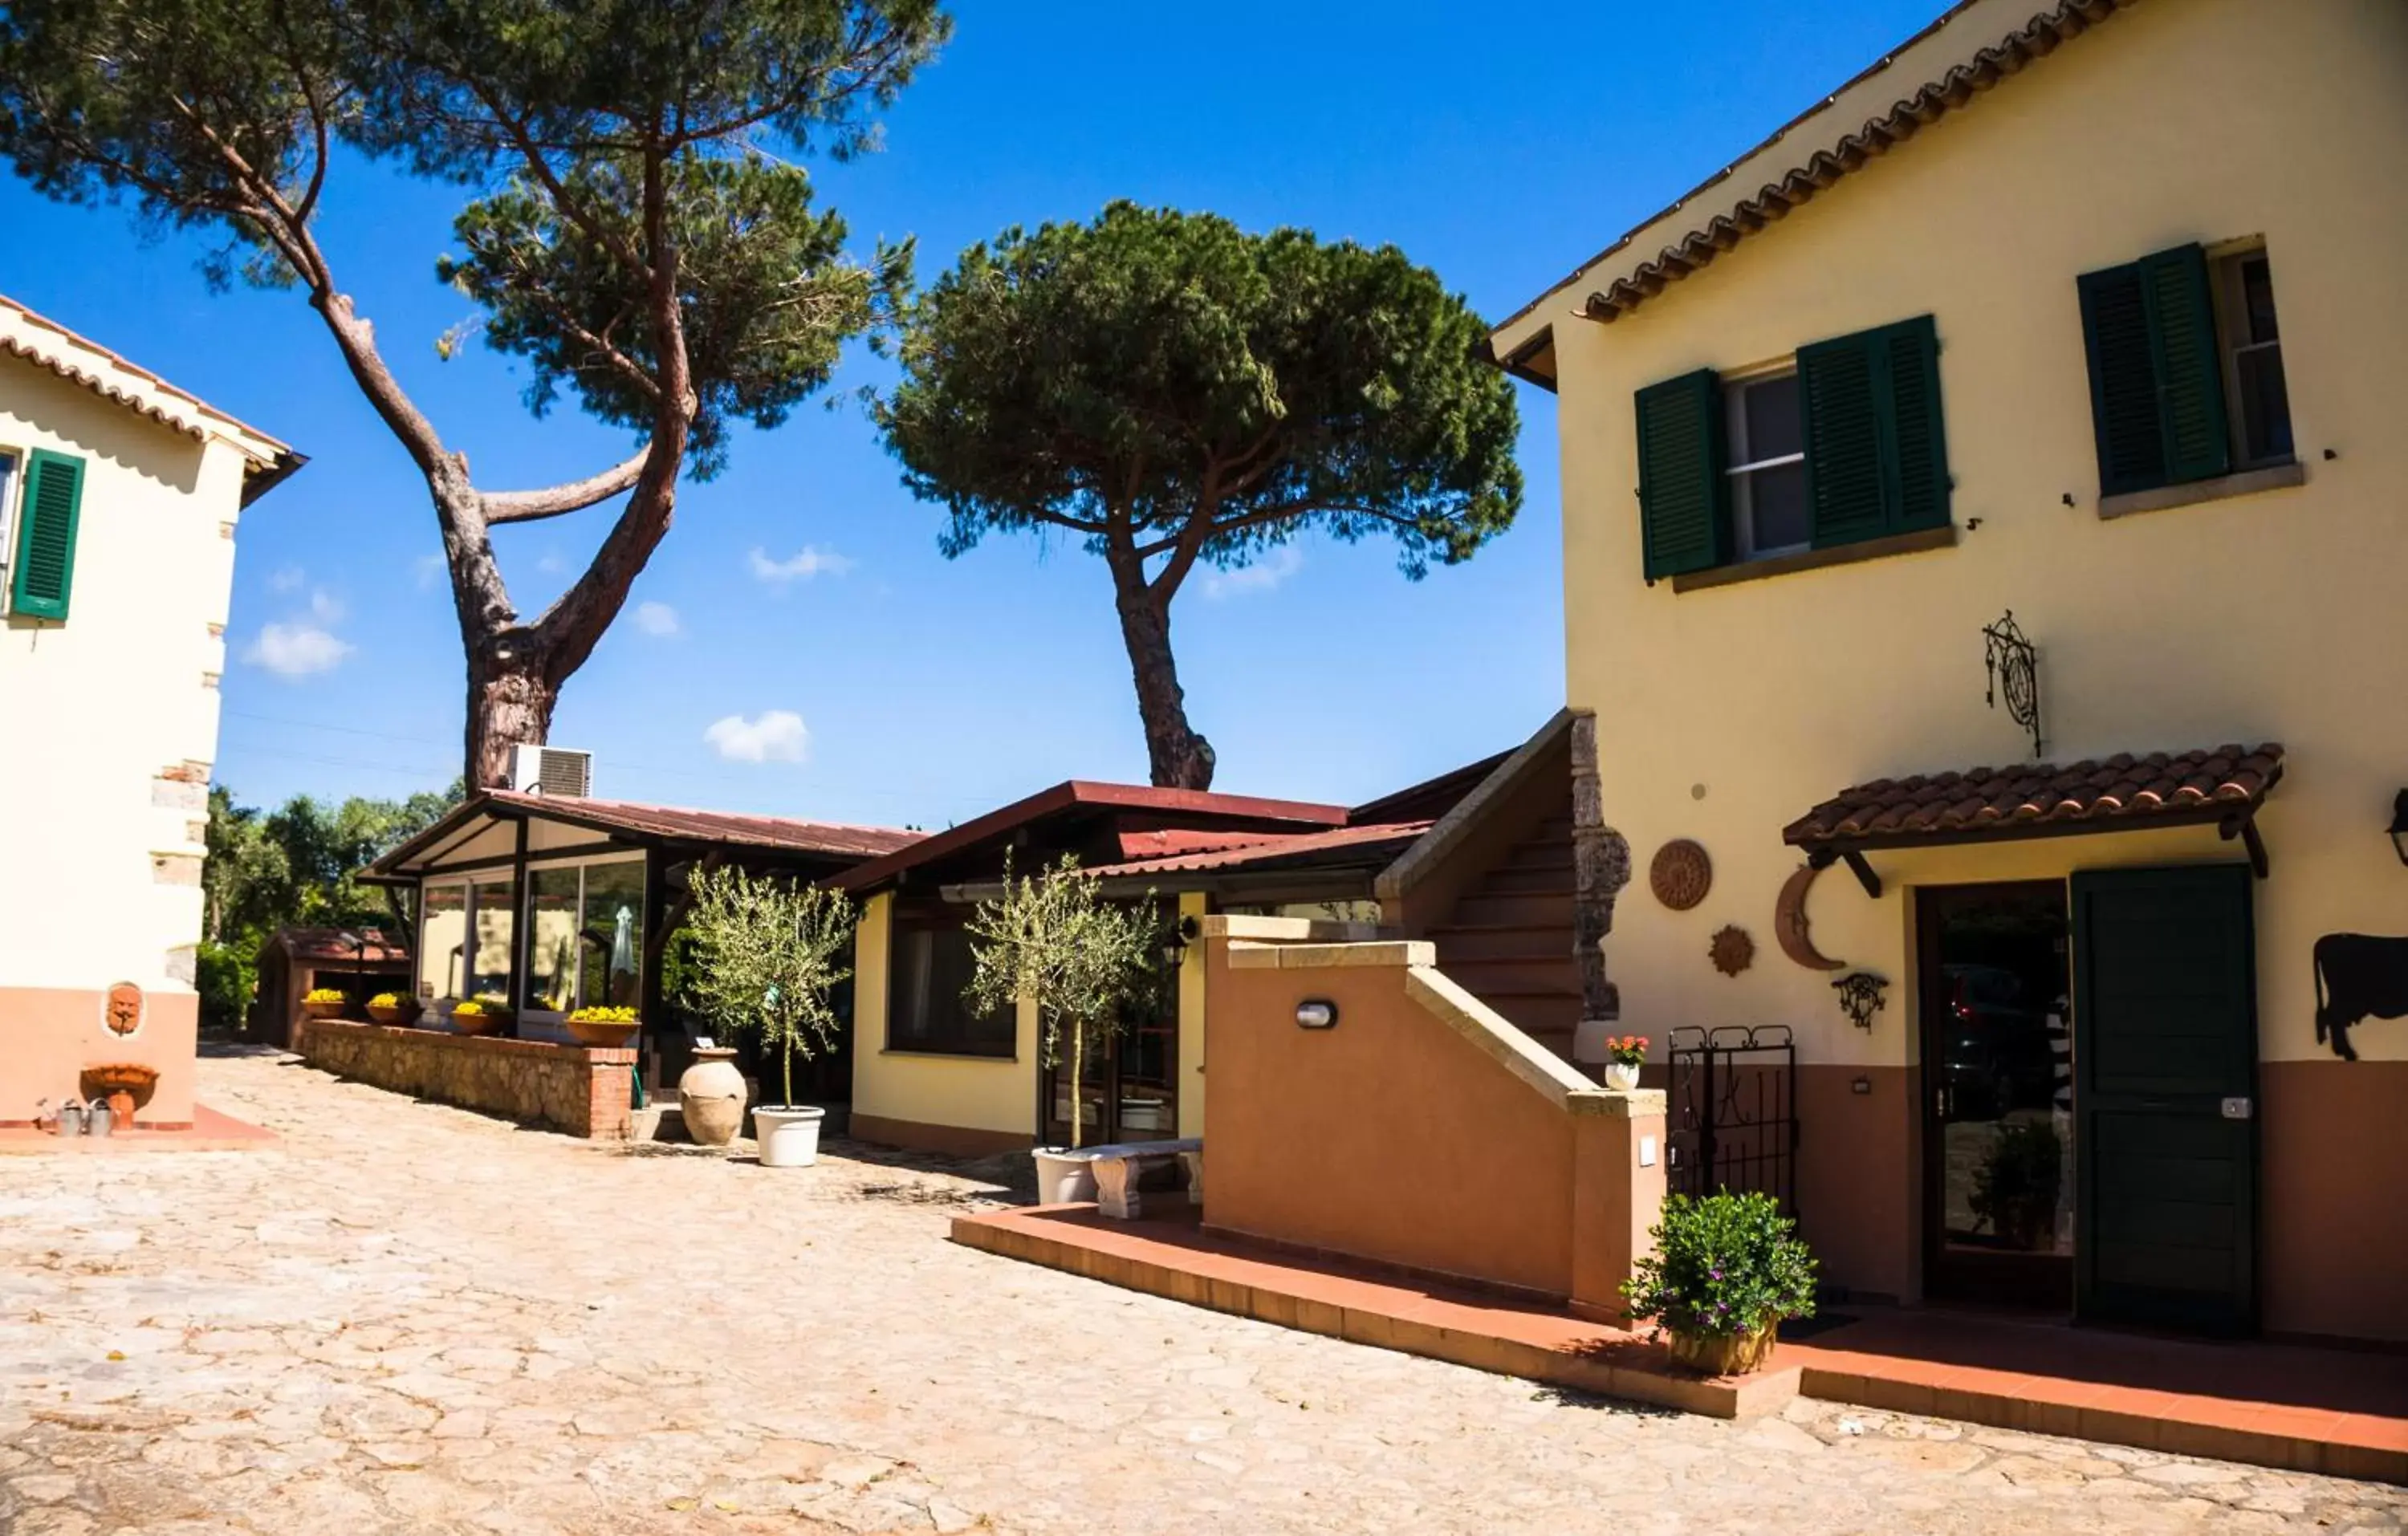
x=1864, y=873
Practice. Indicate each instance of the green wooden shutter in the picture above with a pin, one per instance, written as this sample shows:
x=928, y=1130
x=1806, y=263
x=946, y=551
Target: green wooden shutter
x=46, y=536
x=2156, y=378
x=1876, y=447
x=1684, y=494
x=2190, y=369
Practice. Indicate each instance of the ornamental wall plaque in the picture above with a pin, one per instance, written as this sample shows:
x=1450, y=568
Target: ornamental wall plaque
x=1732, y=950
x=1682, y=874
x=122, y=1012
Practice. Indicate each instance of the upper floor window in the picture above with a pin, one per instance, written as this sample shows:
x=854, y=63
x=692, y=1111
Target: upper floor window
x=2185, y=361
x=1844, y=447
x=1767, y=469
x=42, y=553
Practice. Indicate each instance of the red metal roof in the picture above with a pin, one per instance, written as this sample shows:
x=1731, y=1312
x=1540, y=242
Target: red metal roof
x=2119, y=792
x=1277, y=849
x=1080, y=793
x=662, y=821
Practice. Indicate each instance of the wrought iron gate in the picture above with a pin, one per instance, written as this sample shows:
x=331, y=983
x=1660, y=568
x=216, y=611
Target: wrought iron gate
x=1733, y=1112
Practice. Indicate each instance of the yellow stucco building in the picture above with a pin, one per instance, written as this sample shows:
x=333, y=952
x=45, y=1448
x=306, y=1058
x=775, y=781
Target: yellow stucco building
x=119, y=498
x=2087, y=316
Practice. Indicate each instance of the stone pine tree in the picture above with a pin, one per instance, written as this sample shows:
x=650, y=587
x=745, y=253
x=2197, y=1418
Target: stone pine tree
x=634, y=227
x=1172, y=390
x=1052, y=939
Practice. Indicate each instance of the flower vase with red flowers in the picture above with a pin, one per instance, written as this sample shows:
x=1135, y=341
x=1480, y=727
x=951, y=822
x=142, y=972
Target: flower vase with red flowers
x=1623, y=1056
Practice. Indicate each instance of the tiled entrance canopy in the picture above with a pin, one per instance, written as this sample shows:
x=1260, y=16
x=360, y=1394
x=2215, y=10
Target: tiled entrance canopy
x=2113, y=794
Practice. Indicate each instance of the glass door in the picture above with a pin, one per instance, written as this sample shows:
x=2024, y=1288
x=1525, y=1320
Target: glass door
x=1997, y=1094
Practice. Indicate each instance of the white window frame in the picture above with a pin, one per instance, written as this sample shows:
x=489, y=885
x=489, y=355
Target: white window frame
x=12, y=483
x=1743, y=466
x=551, y=1022
x=2224, y=261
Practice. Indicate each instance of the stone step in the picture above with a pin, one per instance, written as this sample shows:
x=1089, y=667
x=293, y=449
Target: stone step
x=1557, y=973
x=1520, y=908
x=1502, y=942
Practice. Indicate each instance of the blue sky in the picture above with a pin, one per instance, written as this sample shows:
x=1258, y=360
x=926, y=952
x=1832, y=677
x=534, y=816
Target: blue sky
x=1499, y=144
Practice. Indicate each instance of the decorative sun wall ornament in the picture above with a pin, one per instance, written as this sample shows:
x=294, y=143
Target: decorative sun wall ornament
x=1682, y=874
x=1732, y=950
x=1860, y=996
x=2013, y=666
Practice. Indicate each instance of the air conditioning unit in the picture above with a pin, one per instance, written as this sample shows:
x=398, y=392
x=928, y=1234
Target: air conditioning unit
x=552, y=770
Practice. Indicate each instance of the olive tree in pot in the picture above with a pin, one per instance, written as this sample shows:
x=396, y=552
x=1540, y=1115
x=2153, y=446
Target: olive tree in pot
x=1052, y=940
x=1726, y=1271
x=766, y=954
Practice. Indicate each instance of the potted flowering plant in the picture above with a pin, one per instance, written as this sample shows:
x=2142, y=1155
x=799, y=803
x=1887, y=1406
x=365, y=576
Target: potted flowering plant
x=1726, y=1271
x=323, y=1002
x=605, y=1028
x=393, y=1008
x=1623, y=1056
x=480, y=1015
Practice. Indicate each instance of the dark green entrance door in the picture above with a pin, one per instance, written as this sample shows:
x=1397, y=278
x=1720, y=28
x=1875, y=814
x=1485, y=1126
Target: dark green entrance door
x=2165, y=1053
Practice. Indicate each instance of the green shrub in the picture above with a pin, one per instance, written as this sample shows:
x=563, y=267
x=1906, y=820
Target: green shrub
x=225, y=976
x=2015, y=1190
x=1724, y=1265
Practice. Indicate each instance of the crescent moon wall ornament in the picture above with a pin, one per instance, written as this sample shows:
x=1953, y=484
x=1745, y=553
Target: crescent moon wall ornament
x=1790, y=928
x=1732, y=950
x=1681, y=874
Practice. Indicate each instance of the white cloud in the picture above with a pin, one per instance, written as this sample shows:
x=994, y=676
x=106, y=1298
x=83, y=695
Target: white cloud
x=429, y=569
x=287, y=580
x=777, y=737
x=802, y=565
x=1261, y=575
x=297, y=650
x=551, y=564
x=304, y=644
x=658, y=619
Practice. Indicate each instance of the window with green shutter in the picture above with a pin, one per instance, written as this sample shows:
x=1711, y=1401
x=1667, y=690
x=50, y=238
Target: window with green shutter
x=1846, y=448
x=1683, y=503
x=1876, y=449
x=46, y=536
x=2157, y=372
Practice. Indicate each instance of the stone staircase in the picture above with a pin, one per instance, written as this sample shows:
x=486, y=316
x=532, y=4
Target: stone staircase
x=1509, y=939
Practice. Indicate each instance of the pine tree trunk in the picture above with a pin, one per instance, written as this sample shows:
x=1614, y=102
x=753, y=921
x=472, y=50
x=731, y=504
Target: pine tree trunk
x=510, y=700
x=1180, y=757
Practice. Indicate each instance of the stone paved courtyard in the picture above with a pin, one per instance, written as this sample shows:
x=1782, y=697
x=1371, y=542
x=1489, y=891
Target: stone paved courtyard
x=411, y=1318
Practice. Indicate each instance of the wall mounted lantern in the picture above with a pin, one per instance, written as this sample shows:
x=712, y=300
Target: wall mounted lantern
x=2399, y=826
x=1316, y=1013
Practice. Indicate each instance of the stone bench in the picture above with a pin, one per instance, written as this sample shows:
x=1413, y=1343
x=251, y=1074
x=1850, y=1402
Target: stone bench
x=1119, y=1166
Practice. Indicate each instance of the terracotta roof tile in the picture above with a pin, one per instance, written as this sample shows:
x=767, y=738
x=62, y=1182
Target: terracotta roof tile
x=715, y=825
x=1276, y=850
x=2123, y=789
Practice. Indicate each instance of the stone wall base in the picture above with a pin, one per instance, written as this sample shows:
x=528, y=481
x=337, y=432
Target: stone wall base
x=570, y=1088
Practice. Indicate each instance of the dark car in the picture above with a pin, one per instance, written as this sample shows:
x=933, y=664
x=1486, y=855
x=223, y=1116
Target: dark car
x=2001, y=1052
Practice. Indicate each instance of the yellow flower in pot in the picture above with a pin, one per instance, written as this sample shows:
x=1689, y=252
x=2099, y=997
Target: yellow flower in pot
x=604, y=1028
x=482, y=1015
x=324, y=1002
x=393, y=1008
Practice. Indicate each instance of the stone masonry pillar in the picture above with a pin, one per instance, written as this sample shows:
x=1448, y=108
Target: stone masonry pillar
x=1600, y=868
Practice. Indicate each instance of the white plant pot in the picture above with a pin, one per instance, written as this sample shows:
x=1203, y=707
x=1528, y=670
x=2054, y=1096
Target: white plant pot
x=1621, y=1075
x=1063, y=1177
x=789, y=1134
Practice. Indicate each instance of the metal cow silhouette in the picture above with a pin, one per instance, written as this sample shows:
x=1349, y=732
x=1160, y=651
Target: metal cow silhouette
x=2360, y=976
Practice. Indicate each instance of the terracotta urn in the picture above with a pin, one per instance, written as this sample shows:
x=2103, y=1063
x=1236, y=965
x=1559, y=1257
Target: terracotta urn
x=711, y=1097
x=602, y=1036
x=127, y=1085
